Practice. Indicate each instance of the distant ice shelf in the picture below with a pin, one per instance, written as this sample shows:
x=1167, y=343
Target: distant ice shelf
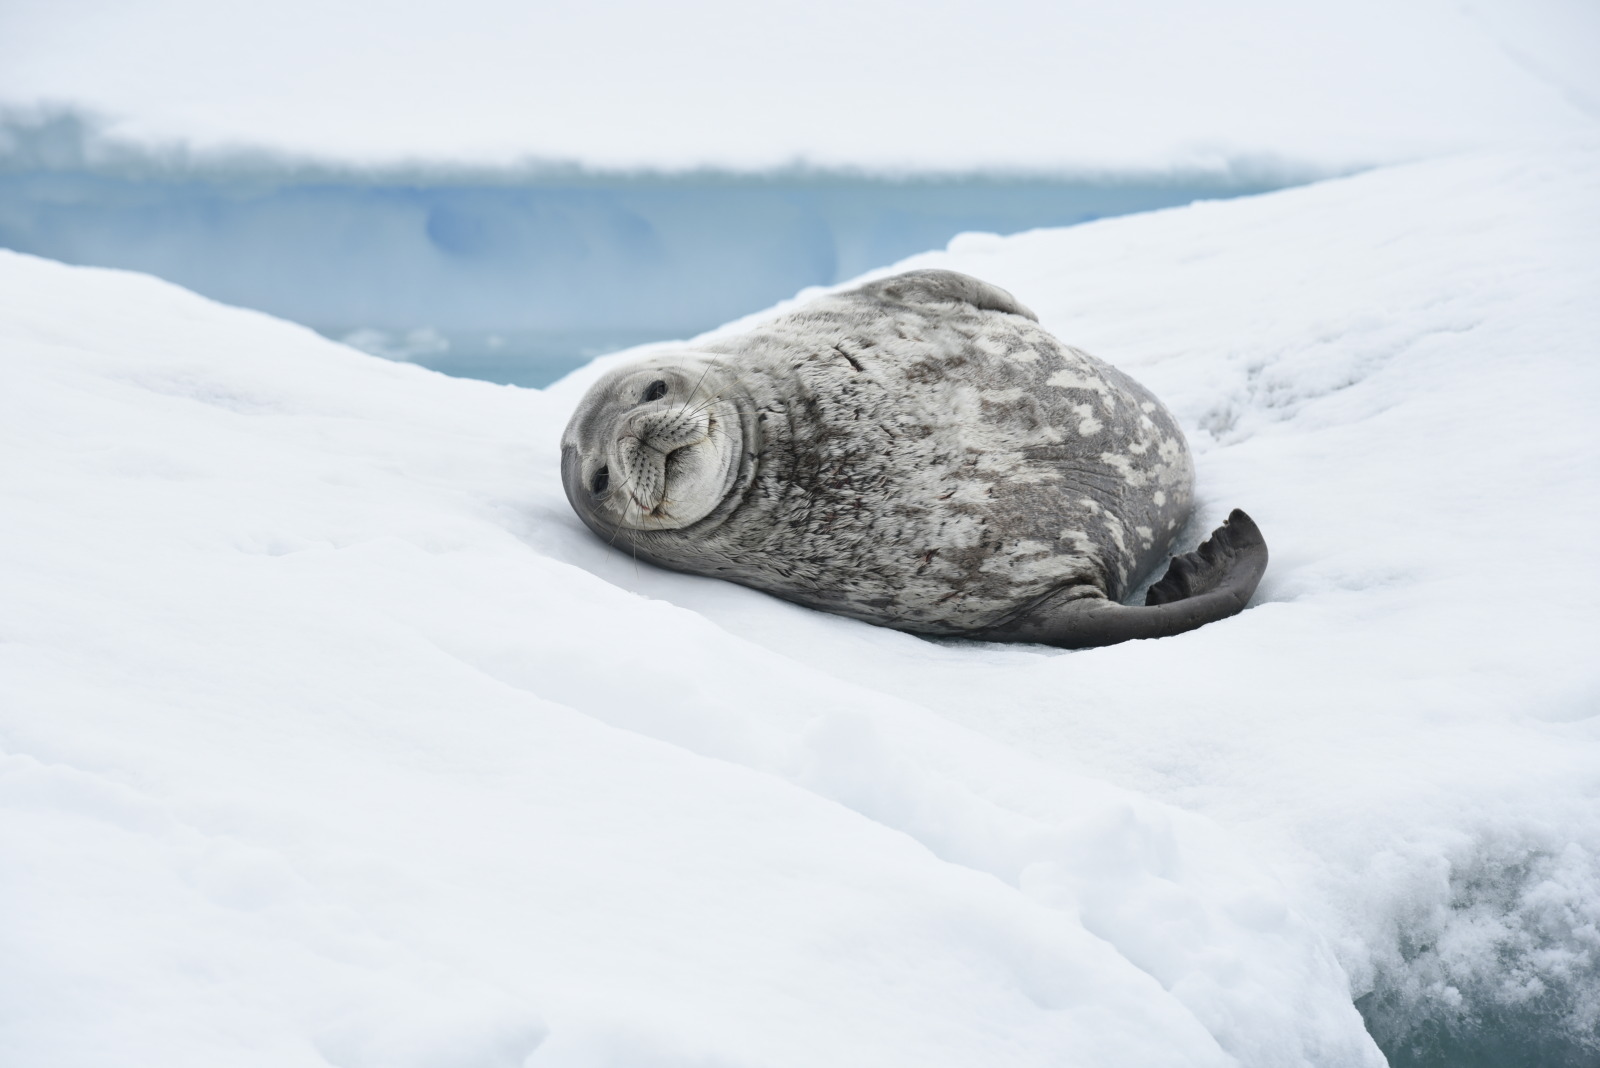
x=514, y=275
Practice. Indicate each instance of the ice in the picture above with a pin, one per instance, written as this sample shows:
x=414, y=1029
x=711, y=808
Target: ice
x=405, y=345
x=433, y=262
x=329, y=736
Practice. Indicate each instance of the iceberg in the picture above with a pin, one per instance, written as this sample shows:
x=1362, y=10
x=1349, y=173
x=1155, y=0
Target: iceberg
x=329, y=736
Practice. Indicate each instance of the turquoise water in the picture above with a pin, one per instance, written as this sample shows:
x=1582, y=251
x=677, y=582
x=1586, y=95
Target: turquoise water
x=512, y=275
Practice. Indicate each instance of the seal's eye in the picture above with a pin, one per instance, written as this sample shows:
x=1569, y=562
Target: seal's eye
x=602, y=479
x=655, y=390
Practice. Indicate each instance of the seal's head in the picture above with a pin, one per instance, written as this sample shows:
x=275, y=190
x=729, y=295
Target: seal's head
x=656, y=446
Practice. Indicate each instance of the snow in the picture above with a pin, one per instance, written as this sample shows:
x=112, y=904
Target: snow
x=1156, y=85
x=329, y=736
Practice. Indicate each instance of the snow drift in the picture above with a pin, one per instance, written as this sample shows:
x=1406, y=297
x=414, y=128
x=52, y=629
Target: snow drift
x=328, y=736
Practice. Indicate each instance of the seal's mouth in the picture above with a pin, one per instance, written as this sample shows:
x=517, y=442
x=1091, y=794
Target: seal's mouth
x=649, y=505
x=664, y=461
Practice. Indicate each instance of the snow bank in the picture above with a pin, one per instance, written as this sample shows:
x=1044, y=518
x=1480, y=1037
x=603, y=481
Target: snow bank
x=328, y=735
x=1396, y=374
x=874, y=83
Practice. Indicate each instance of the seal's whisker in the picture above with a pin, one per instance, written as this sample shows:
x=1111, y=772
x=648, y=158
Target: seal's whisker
x=702, y=406
x=709, y=401
x=617, y=527
x=697, y=383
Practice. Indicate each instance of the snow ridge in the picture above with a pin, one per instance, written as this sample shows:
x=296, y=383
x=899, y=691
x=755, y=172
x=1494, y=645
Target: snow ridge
x=328, y=735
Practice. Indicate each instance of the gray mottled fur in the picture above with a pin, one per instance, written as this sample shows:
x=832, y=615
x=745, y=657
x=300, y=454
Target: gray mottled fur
x=917, y=453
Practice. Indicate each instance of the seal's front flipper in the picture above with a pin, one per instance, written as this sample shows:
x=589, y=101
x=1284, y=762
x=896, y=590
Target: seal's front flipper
x=1213, y=582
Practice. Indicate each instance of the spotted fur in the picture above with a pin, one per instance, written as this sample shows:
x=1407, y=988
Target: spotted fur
x=919, y=453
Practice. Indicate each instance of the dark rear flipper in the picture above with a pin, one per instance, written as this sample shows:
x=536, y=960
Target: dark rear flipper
x=1213, y=582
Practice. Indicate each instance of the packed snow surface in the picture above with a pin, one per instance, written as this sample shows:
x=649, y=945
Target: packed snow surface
x=329, y=736
x=873, y=83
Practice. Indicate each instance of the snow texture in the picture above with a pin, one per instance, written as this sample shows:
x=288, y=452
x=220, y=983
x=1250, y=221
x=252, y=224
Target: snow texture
x=875, y=83
x=329, y=736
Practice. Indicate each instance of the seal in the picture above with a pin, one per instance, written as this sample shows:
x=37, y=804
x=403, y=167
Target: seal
x=916, y=453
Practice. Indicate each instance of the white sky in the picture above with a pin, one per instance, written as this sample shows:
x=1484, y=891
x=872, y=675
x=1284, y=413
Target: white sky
x=879, y=83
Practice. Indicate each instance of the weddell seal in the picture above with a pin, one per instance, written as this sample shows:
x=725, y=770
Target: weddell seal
x=916, y=453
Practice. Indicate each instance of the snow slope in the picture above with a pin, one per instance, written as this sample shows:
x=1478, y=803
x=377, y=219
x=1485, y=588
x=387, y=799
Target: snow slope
x=328, y=735
x=1076, y=84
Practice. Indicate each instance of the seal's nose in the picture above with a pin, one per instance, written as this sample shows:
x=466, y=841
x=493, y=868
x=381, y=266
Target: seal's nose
x=666, y=430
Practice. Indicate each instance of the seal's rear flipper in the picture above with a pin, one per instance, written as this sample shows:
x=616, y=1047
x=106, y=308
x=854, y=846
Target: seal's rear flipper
x=1233, y=558
x=1213, y=582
